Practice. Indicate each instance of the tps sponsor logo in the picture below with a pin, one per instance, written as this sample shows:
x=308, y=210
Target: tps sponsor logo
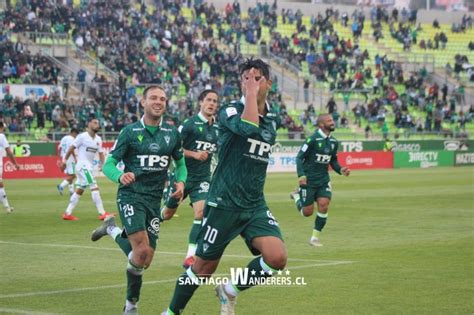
x=323, y=158
x=368, y=161
x=352, y=146
x=206, y=146
x=151, y=160
x=31, y=167
x=464, y=158
x=261, y=146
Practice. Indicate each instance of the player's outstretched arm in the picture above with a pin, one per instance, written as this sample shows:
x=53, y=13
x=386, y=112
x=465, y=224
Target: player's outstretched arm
x=11, y=157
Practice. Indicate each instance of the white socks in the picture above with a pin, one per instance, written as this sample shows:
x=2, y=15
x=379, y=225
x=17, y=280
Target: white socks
x=98, y=201
x=64, y=183
x=3, y=196
x=129, y=305
x=72, y=203
x=191, y=250
x=114, y=231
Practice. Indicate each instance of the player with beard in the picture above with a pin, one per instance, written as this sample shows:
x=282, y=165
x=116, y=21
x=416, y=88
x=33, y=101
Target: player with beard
x=146, y=148
x=87, y=144
x=317, y=153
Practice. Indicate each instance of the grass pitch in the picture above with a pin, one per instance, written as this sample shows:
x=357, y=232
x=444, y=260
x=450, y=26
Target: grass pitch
x=397, y=241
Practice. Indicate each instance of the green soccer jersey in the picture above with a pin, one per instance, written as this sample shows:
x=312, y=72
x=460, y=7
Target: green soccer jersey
x=315, y=155
x=148, y=155
x=244, y=152
x=199, y=135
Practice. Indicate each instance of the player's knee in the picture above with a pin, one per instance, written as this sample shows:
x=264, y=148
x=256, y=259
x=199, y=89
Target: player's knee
x=323, y=208
x=308, y=211
x=142, y=255
x=277, y=260
x=204, y=268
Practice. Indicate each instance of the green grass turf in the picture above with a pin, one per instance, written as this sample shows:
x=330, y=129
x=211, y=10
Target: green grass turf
x=408, y=235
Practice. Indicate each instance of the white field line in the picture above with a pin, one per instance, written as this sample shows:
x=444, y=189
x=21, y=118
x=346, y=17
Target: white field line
x=158, y=252
x=115, y=286
x=17, y=311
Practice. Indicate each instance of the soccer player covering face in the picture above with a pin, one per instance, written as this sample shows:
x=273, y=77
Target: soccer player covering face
x=312, y=163
x=87, y=144
x=199, y=134
x=146, y=149
x=235, y=205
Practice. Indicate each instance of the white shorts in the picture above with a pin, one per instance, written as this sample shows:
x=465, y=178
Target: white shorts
x=1, y=170
x=85, y=177
x=70, y=168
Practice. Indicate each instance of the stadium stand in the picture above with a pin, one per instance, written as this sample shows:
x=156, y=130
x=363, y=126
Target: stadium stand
x=361, y=64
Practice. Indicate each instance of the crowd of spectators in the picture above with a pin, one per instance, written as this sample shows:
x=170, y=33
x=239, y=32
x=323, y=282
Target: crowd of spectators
x=185, y=55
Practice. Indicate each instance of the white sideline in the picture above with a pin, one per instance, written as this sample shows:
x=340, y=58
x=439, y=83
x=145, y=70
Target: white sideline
x=158, y=252
x=316, y=263
x=17, y=311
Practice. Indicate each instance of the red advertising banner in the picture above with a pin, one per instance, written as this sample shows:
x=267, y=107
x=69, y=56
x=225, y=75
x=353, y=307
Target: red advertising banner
x=32, y=167
x=366, y=159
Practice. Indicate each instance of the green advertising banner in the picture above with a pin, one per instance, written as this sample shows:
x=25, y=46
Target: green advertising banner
x=463, y=158
x=398, y=146
x=423, y=159
x=35, y=149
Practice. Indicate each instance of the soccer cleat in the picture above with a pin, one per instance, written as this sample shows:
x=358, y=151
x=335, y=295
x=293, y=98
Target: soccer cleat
x=105, y=215
x=69, y=217
x=227, y=302
x=9, y=210
x=60, y=189
x=188, y=262
x=314, y=241
x=133, y=311
x=102, y=229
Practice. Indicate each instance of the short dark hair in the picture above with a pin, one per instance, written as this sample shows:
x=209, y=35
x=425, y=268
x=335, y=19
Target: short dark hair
x=91, y=118
x=259, y=64
x=152, y=87
x=204, y=93
x=2, y=125
x=74, y=130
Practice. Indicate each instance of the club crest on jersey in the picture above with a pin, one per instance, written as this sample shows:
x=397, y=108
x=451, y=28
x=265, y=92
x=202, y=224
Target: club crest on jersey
x=167, y=139
x=266, y=135
x=154, y=147
x=140, y=138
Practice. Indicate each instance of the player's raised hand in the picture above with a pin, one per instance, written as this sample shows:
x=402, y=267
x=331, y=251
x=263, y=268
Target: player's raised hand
x=62, y=166
x=178, y=191
x=127, y=178
x=201, y=155
x=345, y=171
x=251, y=81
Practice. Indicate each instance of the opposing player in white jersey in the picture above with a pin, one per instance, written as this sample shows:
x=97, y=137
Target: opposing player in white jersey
x=4, y=145
x=70, y=167
x=87, y=145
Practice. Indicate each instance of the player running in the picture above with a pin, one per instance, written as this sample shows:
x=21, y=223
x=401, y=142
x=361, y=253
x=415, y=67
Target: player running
x=146, y=149
x=236, y=204
x=199, y=134
x=319, y=151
